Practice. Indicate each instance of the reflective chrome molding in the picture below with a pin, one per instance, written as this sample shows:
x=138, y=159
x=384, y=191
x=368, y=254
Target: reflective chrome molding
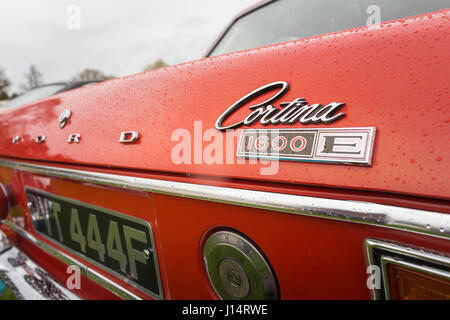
x=412, y=220
x=40, y=139
x=91, y=274
x=380, y=253
x=74, y=137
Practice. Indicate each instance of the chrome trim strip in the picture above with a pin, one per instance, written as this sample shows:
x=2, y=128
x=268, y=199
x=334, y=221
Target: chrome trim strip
x=91, y=274
x=412, y=220
x=405, y=252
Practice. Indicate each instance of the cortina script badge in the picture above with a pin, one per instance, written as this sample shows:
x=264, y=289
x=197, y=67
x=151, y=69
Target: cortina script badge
x=325, y=145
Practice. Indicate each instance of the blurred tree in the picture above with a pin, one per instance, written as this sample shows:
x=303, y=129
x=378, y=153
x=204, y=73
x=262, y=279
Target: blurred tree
x=156, y=65
x=91, y=74
x=32, y=79
x=4, y=84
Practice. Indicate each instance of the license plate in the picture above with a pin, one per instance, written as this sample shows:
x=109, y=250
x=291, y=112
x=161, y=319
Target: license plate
x=121, y=244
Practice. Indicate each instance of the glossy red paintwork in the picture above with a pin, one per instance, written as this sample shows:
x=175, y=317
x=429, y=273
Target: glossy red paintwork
x=393, y=77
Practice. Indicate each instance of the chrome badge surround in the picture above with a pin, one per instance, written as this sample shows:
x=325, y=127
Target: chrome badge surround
x=93, y=275
x=324, y=145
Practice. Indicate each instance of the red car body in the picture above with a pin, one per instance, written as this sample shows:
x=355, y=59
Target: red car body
x=392, y=76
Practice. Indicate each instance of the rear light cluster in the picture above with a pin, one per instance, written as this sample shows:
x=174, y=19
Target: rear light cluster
x=408, y=273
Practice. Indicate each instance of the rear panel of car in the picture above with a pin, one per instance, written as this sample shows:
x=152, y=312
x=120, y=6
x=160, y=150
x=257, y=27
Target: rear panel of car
x=310, y=220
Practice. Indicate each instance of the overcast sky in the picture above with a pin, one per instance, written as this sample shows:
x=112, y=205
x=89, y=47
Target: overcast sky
x=119, y=37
